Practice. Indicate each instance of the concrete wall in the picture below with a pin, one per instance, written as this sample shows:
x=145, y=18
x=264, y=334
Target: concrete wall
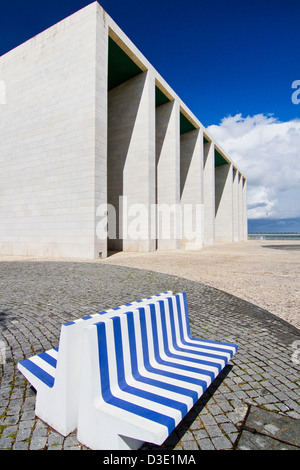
x=47, y=142
x=101, y=116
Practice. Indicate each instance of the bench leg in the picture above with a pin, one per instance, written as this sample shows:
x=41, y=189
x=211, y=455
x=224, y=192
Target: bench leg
x=102, y=432
x=56, y=416
x=106, y=420
x=57, y=405
x=106, y=427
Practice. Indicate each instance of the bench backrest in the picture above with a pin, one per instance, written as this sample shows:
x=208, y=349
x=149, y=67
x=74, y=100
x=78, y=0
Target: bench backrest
x=140, y=362
x=131, y=341
x=178, y=310
x=68, y=366
x=111, y=354
x=126, y=343
x=70, y=334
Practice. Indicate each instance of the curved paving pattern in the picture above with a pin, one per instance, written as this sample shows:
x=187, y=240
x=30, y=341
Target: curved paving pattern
x=36, y=297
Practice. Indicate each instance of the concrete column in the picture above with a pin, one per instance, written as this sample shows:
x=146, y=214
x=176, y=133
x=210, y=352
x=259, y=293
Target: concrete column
x=168, y=176
x=235, y=204
x=191, y=189
x=209, y=192
x=224, y=213
x=245, y=219
x=131, y=162
x=241, y=206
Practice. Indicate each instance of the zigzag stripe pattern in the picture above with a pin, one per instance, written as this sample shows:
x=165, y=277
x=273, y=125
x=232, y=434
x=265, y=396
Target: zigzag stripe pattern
x=151, y=367
x=39, y=365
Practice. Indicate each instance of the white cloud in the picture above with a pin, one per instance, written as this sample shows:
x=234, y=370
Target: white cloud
x=268, y=153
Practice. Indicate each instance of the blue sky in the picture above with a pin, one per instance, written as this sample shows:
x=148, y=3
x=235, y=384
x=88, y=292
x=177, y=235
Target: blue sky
x=225, y=59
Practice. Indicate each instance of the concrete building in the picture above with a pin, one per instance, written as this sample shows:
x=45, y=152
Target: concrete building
x=98, y=153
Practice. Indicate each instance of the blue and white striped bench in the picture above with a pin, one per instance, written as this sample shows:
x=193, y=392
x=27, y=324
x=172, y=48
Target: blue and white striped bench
x=55, y=373
x=143, y=372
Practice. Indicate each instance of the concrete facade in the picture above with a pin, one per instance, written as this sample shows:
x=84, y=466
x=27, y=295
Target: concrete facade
x=92, y=137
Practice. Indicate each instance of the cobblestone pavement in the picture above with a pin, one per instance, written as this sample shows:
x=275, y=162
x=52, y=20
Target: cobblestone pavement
x=260, y=385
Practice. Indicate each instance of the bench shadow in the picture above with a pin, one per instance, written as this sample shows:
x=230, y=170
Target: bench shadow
x=174, y=438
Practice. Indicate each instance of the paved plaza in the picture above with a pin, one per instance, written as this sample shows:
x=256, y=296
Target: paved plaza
x=253, y=404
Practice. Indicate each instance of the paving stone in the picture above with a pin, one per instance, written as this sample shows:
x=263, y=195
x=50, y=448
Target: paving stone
x=200, y=434
x=190, y=445
x=213, y=431
x=38, y=443
x=6, y=443
x=9, y=432
x=21, y=445
x=221, y=443
x=37, y=297
x=23, y=433
x=206, y=444
x=70, y=442
x=229, y=428
x=188, y=436
x=208, y=420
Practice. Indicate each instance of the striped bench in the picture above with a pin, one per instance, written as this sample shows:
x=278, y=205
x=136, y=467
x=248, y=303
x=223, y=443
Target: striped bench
x=143, y=372
x=55, y=373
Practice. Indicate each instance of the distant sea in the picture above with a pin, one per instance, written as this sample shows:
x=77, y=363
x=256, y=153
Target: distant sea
x=273, y=236
x=274, y=229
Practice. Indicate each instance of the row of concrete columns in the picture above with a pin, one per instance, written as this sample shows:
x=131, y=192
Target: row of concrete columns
x=152, y=166
x=112, y=135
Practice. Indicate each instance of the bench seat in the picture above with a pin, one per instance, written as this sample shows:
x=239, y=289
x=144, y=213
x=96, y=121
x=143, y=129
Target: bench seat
x=42, y=366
